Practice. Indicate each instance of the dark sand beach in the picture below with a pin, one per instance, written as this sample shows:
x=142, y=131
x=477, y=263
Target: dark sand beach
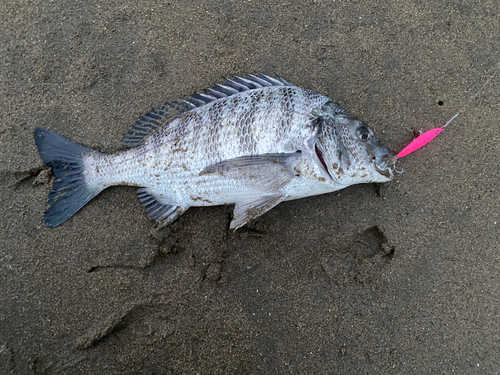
x=399, y=278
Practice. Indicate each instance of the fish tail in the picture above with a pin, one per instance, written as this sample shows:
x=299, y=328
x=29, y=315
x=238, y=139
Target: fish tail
x=70, y=190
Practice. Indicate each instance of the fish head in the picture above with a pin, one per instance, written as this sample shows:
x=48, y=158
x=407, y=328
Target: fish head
x=349, y=152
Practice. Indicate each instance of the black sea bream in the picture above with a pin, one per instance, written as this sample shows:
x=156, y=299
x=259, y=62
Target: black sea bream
x=252, y=142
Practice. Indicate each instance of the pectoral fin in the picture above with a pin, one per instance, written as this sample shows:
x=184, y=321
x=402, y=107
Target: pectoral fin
x=248, y=210
x=267, y=172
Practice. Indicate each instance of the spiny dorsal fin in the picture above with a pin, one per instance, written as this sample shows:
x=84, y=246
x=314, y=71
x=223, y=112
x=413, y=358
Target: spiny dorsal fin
x=164, y=114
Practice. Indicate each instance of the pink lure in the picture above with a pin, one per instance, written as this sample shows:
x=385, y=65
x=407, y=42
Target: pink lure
x=428, y=136
x=420, y=141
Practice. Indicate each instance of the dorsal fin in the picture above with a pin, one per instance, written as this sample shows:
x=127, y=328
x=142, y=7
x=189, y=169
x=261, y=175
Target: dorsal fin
x=152, y=120
x=164, y=114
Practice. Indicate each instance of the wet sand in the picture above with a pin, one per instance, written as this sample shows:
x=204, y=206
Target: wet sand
x=400, y=278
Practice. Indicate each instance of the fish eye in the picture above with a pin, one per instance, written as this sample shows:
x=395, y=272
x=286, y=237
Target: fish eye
x=363, y=133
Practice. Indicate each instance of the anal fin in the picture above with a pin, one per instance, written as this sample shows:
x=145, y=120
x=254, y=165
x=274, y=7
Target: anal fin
x=248, y=210
x=162, y=213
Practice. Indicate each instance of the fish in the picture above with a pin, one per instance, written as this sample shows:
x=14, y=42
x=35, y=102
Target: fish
x=252, y=142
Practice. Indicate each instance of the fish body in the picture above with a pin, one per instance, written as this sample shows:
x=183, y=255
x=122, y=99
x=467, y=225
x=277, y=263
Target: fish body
x=252, y=142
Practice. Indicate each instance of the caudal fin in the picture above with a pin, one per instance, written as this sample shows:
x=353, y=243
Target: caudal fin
x=69, y=192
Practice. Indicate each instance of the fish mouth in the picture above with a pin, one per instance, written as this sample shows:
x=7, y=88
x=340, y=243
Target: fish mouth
x=386, y=166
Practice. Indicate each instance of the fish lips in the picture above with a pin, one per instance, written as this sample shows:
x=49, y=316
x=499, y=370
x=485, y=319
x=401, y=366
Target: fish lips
x=385, y=166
